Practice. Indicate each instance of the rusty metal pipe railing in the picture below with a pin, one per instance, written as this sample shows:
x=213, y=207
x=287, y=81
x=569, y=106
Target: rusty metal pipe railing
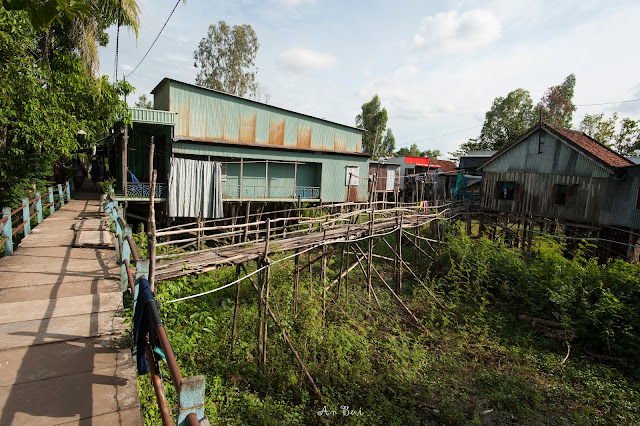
x=132, y=283
x=163, y=341
x=192, y=420
x=156, y=381
x=135, y=252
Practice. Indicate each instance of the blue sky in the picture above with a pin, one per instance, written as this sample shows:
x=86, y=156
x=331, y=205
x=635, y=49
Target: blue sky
x=436, y=65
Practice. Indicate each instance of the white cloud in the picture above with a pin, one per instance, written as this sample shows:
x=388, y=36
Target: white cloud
x=302, y=60
x=452, y=33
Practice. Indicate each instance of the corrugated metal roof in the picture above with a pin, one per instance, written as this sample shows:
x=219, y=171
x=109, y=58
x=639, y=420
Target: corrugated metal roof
x=576, y=140
x=167, y=79
x=594, y=147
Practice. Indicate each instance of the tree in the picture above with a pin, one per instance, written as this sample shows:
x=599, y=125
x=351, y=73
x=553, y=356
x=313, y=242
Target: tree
x=557, y=103
x=143, y=102
x=414, y=151
x=598, y=128
x=226, y=57
x=626, y=141
x=42, y=107
x=376, y=140
x=507, y=119
x=42, y=13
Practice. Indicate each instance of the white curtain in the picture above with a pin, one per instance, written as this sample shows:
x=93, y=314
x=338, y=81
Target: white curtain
x=195, y=189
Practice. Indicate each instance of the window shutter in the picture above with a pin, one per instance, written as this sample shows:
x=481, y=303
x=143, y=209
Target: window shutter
x=554, y=195
x=516, y=191
x=571, y=195
x=497, y=190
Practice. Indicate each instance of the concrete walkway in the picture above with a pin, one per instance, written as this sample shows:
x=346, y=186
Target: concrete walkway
x=63, y=355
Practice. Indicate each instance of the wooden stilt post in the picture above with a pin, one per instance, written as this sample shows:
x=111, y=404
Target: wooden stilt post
x=346, y=277
x=296, y=282
x=468, y=219
x=236, y=312
x=370, y=254
x=260, y=290
x=399, y=255
x=246, y=221
x=265, y=286
x=153, y=174
x=323, y=279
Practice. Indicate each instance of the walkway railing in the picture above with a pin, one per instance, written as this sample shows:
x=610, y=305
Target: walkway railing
x=19, y=219
x=157, y=347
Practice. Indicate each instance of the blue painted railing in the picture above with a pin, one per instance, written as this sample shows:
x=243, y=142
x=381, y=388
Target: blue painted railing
x=31, y=209
x=157, y=348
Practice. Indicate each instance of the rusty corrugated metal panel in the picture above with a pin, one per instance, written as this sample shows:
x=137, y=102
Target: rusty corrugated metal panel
x=209, y=115
x=247, y=129
x=304, y=137
x=276, y=132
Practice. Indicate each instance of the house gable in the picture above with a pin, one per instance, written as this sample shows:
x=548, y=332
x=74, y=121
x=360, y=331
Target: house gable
x=542, y=151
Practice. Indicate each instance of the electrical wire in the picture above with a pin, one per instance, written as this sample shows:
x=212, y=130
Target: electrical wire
x=154, y=41
x=441, y=136
x=610, y=103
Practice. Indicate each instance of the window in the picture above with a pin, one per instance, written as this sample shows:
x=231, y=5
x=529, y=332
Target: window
x=391, y=180
x=509, y=191
x=223, y=175
x=564, y=195
x=352, y=175
x=638, y=200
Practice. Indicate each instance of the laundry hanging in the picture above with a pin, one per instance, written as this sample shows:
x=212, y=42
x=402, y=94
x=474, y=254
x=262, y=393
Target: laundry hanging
x=195, y=189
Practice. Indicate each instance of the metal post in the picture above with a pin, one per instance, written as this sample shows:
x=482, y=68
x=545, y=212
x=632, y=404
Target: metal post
x=52, y=207
x=60, y=195
x=25, y=216
x=241, y=173
x=7, y=232
x=126, y=255
x=39, y=207
x=266, y=179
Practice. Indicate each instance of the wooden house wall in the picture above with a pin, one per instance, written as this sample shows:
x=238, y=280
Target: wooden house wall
x=600, y=197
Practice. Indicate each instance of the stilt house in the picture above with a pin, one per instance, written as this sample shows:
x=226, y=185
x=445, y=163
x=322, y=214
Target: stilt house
x=236, y=150
x=564, y=175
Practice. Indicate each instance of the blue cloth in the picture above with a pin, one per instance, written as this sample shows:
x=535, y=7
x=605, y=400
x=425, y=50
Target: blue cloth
x=141, y=324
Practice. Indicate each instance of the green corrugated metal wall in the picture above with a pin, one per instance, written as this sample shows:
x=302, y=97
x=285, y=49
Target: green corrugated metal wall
x=332, y=183
x=209, y=115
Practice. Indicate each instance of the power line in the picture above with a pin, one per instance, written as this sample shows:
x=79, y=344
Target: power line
x=441, y=136
x=154, y=41
x=610, y=103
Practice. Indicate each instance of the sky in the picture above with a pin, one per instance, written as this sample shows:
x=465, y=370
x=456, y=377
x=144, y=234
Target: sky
x=437, y=66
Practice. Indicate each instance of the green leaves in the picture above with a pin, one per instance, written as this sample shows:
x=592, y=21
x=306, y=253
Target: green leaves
x=226, y=57
x=42, y=14
x=377, y=140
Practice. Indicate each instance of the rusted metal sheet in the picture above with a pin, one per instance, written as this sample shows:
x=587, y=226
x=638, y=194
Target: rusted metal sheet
x=247, y=129
x=276, y=132
x=304, y=137
x=208, y=115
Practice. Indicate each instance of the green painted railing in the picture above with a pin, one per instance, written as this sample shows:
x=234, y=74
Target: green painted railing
x=13, y=222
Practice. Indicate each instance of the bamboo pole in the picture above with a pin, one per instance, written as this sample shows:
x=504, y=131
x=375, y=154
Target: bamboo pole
x=152, y=219
x=287, y=339
x=370, y=255
x=323, y=277
x=236, y=312
x=296, y=282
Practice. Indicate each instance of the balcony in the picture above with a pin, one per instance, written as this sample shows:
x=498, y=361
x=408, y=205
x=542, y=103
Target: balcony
x=271, y=192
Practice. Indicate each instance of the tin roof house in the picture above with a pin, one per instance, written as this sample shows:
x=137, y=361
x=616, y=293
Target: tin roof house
x=259, y=152
x=553, y=172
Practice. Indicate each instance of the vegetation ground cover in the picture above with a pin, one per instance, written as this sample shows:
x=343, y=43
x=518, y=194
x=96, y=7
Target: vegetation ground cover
x=476, y=362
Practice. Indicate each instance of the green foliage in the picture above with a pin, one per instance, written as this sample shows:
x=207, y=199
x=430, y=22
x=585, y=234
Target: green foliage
x=626, y=141
x=42, y=107
x=377, y=140
x=507, y=119
x=42, y=14
x=414, y=151
x=475, y=363
x=226, y=57
x=557, y=103
x=143, y=102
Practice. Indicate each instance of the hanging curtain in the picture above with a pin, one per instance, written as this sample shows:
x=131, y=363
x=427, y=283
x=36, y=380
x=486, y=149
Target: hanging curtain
x=195, y=188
